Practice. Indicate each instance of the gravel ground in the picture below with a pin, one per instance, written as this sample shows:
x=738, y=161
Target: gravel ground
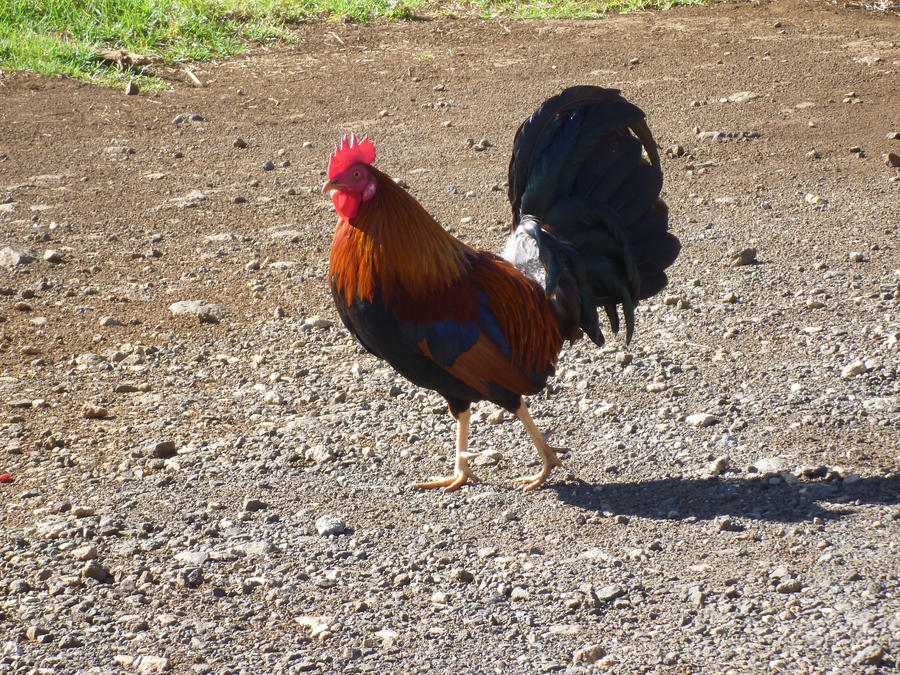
x=206, y=473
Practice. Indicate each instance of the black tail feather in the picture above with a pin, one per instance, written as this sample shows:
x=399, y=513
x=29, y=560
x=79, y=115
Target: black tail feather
x=637, y=193
x=580, y=186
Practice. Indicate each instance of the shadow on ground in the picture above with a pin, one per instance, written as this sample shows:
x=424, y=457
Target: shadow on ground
x=756, y=499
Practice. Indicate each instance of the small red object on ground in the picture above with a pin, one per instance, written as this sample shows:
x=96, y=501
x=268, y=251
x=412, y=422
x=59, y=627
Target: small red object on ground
x=5, y=478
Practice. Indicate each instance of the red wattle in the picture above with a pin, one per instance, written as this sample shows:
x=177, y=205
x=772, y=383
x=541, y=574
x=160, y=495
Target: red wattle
x=346, y=204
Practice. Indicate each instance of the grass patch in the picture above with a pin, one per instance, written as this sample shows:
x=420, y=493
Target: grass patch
x=570, y=9
x=61, y=36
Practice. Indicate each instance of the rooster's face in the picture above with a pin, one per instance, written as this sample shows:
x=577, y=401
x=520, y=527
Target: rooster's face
x=350, y=176
x=350, y=188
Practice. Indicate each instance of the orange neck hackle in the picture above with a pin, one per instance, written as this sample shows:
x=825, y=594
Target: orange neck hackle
x=393, y=241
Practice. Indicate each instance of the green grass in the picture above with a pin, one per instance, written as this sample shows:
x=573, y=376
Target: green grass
x=61, y=36
x=570, y=9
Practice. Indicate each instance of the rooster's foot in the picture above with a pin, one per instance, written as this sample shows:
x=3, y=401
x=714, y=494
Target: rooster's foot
x=550, y=461
x=450, y=483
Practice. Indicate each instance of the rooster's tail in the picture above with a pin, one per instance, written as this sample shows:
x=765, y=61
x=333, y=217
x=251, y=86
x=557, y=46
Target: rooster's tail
x=587, y=218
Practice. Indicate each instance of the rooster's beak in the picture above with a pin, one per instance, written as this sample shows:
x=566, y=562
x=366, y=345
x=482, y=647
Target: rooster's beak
x=331, y=186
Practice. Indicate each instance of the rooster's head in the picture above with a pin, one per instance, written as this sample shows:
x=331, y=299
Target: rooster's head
x=350, y=178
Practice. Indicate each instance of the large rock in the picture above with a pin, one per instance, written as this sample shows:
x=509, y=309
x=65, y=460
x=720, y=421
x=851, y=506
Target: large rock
x=207, y=312
x=330, y=524
x=12, y=257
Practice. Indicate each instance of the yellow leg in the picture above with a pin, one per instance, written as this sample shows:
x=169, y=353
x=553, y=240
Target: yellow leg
x=462, y=472
x=549, y=458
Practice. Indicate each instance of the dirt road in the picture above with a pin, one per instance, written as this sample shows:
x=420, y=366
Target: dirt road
x=731, y=502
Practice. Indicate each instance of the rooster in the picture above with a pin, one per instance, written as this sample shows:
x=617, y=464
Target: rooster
x=588, y=230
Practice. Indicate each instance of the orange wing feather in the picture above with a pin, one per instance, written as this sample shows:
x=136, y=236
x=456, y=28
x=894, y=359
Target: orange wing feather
x=522, y=311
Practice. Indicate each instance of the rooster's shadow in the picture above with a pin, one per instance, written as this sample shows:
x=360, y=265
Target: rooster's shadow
x=759, y=499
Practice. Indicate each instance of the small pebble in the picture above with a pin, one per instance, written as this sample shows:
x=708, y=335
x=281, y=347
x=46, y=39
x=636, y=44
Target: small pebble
x=610, y=592
x=873, y=655
x=768, y=465
x=742, y=256
x=187, y=117
x=69, y=641
x=854, y=368
x=272, y=397
x=94, y=412
x=34, y=631
x=94, y=570
x=624, y=358
x=719, y=465
x=702, y=420
x=18, y=586
x=163, y=449
x=85, y=553
x=461, y=575
x=496, y=417
x=589, y=654
x=330, y=524
x=120, y=150
x=206, y=312
x=253, y=504
x=811, y=472
x=728, y=524
x=789, y=586
x=148, y=665
x=519, y=593
x=317, y=322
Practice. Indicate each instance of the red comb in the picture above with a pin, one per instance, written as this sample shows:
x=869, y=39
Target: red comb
x=349, y=152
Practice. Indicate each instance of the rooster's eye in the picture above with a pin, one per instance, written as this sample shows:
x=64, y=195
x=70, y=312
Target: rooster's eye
x=356, y=174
